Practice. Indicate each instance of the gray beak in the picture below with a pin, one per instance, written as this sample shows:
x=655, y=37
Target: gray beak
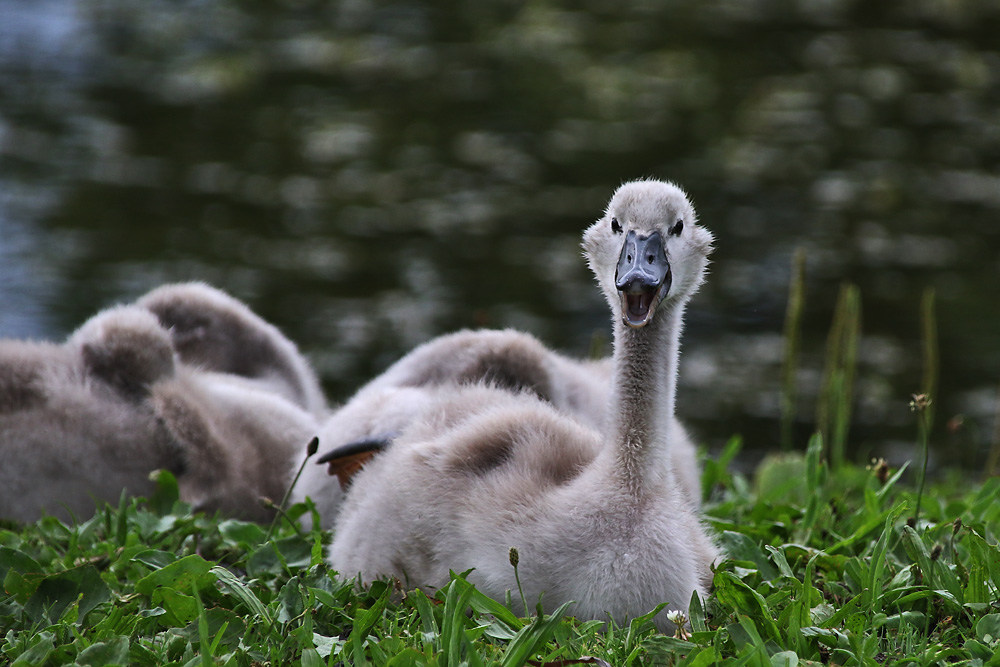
x=642, y=277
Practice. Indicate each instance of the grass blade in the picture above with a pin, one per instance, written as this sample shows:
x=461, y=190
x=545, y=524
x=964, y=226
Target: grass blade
x=815, y=478
x=741, y=598
x=532, y=637
x=878, y=557
x=453, y=621
x=364, y=621
x=833, y=407
x=242, y=592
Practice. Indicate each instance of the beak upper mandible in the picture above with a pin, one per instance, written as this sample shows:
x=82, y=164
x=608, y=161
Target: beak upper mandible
x=643, y=264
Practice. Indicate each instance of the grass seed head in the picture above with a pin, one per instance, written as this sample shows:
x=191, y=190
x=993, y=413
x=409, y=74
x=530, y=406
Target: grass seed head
x=920, y=402
x=881, y=470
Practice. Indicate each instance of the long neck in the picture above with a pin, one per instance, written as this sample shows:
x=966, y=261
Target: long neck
x=645, y=376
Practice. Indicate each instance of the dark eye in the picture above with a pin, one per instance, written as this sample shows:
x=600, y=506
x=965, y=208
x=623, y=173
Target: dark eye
x=616, y=226
x=677, y=228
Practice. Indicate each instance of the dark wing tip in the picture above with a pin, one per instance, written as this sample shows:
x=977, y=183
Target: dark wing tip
x=347, y=460
x=372, y=445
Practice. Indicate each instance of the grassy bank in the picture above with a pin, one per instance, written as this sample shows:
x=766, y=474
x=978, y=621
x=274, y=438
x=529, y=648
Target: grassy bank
x=823, y=566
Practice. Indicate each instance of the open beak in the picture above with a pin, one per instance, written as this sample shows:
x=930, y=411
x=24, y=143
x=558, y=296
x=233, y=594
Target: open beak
x=642, y=277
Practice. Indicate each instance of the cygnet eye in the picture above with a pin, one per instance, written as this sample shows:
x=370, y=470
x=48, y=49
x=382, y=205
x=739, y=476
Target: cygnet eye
x=677, y=228
x=616, y=226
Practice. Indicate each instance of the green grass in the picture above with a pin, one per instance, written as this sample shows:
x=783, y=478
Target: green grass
x=822, y=567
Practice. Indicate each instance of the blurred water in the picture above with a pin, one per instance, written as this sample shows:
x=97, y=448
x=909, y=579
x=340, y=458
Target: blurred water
x=368, y=175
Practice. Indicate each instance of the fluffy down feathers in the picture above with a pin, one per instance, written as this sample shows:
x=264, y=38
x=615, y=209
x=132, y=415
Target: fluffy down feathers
x=82, y=421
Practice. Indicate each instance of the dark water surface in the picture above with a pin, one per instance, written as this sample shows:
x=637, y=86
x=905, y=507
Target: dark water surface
x=370, y=174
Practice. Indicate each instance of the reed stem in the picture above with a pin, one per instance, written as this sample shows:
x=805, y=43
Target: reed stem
x=793, y=335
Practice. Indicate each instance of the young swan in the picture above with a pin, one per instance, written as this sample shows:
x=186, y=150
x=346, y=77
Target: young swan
x=86, y=420
x=598, y=515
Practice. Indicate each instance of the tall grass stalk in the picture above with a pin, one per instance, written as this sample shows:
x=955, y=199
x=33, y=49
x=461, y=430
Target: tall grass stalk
x=311, y=450
x=833, y=408
x=921, y=404
x=793, y=335
x=515, y=558
x=994, y=457
x=929, y=339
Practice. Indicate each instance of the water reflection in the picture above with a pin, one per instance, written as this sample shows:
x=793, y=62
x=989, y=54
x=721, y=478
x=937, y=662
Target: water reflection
x=368, y=175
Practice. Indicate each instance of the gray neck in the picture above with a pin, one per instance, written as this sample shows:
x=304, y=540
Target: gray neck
x=645, y=377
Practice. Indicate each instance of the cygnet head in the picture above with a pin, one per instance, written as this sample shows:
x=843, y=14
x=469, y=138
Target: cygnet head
x=647, y=249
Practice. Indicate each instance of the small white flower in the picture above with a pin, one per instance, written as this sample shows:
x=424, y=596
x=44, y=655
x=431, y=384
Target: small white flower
x=677, y=617
x=680, y=619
